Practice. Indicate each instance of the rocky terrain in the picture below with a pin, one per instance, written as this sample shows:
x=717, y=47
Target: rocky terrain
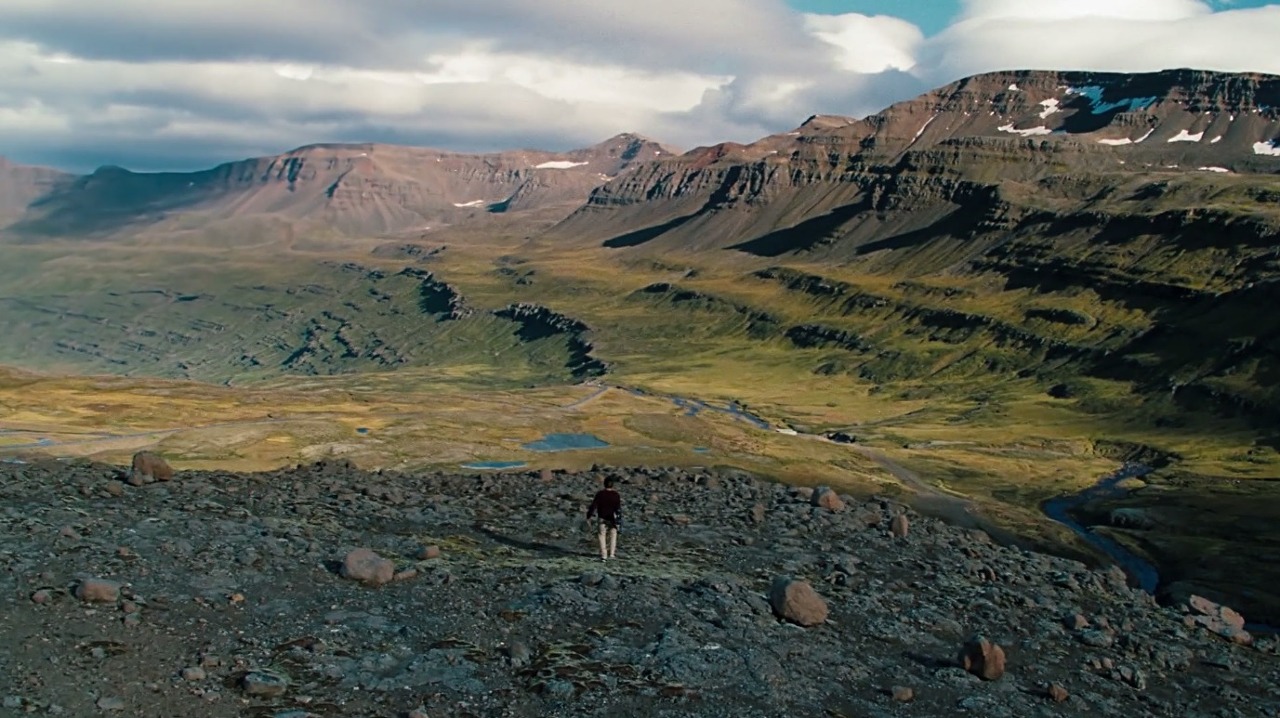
x=329, y=591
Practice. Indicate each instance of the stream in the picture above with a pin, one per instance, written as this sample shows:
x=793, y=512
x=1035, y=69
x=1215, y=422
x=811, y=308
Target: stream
x=1139, y=570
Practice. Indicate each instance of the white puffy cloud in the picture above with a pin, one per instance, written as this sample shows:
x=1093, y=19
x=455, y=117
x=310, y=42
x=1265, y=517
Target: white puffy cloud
x=187, y=83
x=1104, y=35
x=868, y=44
x=1051, y=10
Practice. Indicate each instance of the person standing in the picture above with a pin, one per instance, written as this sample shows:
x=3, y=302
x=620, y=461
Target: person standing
x=608, y=506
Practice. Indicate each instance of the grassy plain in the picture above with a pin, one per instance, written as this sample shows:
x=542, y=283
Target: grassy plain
x=930, y=371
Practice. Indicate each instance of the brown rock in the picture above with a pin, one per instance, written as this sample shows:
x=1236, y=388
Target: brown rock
x=827, y=499
x=1076, y=622
x=364, y=565
x=114, y=488
x=546, y=476
x=149, y=467
x=804, y=493
x=41, y=597
x=1057, y=693
x=899, y=526
x=797, y=602
x=1222, y=620
x=407, y=574
x=1205, y=607
x=427, y=553
x=983, y=659
x=757, y=514
x=903, y=694
x=194, y=673
x=96, y=590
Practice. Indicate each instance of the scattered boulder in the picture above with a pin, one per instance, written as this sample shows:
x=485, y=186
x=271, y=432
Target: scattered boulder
x=903, y=694
x=149, y=468
x=827, y=499
x=264, y=684
x=1057, y=693
x=114, y=488
x=368, y=567
x=426, y=553
x=1222, y=620
x=1130, y=519
x=982, y=658
x=900, y=526
x=797, y=602
x=757, y=514
x=194, y=673
x=41, y=597
x=96, y=590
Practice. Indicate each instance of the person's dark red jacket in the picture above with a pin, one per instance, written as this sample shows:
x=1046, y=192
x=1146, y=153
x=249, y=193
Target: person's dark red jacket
x=608, y=505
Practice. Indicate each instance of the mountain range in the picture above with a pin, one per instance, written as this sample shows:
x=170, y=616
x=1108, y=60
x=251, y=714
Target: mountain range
x=974, y=153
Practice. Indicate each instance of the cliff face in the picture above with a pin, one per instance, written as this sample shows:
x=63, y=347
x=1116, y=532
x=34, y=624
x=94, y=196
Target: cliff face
x=353, y=189
x=954, y=154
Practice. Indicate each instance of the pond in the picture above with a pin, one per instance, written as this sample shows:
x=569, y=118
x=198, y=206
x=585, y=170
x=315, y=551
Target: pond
x=494, y=465
x=565, y=442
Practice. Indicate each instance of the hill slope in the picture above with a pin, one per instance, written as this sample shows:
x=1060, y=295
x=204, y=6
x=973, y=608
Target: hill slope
x=351, y=189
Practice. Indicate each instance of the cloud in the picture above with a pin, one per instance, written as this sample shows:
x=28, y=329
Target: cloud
x=1103, y=35
x=187, y=84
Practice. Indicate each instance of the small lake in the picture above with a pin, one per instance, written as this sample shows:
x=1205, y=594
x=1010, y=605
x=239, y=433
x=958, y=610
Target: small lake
x=494, y=465
x=565, y=442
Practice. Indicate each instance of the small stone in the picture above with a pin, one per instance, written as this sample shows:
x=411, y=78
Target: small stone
x=149, y=467
x=797, y=602
x=96, y=590
x=69, y=533
x=418, y=713
x=1096, y=638
x=405, y=575
x=827, y=499
x=899, y=526
x=114, y=488
x=903, y=694
x=364, y=565
x=129, y=607
x=983, y=659
x=42, y=597
x=194, y=673
x=132, y=620
x=519, y=654
x=1076, y=622
x=1057, y=693
x=426, y=553
x=757, y=514
x=261, y=683
x=110, y=703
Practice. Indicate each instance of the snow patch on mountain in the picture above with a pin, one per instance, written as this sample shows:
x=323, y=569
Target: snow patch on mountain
x=1185, y=136
x=1025, y=133
x=1050, y=106
x=472, y=203
x=558, y=165
x=1223, y=170
x=1270, y=148
x=922, y=128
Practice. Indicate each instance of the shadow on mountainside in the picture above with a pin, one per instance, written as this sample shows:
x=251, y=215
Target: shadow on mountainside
x=648, y=234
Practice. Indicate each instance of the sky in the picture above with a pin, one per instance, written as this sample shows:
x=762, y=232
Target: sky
x=186, y=84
